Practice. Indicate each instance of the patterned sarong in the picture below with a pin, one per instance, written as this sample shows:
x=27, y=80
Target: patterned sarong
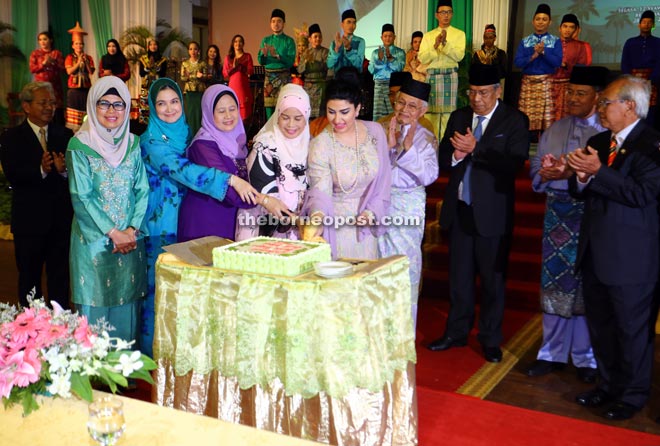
x=382, y=106
x=406, y=240
x=536, y=100
x=76, y=100
x=315, y=88
x=645, y=73
x=559, y=86
x=561, y=288
x=444, y=87
x=273, y=81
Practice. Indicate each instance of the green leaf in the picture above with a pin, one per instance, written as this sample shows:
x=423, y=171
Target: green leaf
x=112, y=378
x=29, y=403
x=149, y=364
x=81, y=386
x=143, y=375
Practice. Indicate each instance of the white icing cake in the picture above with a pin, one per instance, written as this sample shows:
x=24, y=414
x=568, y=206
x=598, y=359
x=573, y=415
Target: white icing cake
x=266, y=255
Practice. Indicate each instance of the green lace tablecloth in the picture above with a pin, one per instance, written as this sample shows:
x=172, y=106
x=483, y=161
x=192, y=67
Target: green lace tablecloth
x=313, y=334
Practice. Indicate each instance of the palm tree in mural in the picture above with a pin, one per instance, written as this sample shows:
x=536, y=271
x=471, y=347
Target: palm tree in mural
x=618, y=21
x=583, y=9
x=7, y=48
x=134, y=40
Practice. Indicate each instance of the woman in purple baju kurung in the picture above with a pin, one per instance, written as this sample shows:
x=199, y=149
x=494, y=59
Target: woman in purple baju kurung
x=220, y=143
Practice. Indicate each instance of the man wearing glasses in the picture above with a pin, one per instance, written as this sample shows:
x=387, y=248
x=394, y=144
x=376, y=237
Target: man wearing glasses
x=32, y=156
x=414, y=160
x=485, y=145
x=618, y=176
x=442, y=49
x=565, y=332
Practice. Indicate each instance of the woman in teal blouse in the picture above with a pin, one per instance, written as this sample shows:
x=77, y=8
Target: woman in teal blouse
x=170, y=174
x=109, y=187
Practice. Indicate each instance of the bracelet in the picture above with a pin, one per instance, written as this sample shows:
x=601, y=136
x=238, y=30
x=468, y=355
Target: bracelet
x=111, y=231
x=264, y=202
x=231, y=180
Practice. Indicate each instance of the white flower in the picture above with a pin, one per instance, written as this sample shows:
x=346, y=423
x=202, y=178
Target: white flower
x=92, y=368
x=129, y=364
x=57, y=362
x=75, y=365
x=60, y=385
x=122, y=344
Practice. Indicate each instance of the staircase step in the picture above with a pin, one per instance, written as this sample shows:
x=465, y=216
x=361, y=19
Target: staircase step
x=522, y=265
x=520, y=295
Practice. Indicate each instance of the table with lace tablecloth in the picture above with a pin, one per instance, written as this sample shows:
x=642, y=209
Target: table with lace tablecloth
x=330, y=360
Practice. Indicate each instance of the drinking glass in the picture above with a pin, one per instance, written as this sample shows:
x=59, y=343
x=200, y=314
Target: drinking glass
x=106, y=420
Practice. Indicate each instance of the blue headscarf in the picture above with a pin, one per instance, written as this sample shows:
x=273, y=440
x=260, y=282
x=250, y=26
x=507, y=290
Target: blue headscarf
x=177, y=134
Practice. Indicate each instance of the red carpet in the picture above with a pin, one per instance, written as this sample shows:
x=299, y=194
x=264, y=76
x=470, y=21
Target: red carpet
x=458, y=420
x=448, y=370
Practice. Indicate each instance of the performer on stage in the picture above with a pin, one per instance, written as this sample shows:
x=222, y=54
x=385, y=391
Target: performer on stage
x=80, y=67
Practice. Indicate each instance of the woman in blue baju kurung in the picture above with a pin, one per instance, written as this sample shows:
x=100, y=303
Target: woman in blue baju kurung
x=170, y=174
x=108, y=187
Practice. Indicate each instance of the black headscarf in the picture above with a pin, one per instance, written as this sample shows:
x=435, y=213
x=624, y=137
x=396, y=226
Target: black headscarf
x=114, y=62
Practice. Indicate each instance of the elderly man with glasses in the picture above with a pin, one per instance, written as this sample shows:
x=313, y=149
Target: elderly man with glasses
x=618, y=176
x=485, y=145
x=32, y=157
x=414, y=160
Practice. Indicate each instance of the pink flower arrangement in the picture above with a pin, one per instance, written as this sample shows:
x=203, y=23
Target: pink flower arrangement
x=57, y=352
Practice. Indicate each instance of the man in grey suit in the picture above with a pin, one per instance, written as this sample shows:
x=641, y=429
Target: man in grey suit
x=485, y=145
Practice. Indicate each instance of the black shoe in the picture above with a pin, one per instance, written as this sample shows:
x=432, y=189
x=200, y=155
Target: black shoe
x=492, y=354
x=587, y=374
x=593, y=398
x=542, y=367
x=620, y=411
x=445, y=343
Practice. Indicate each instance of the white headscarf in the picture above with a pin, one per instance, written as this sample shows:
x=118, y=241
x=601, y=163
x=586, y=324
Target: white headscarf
x=290, y=151
x=110, y=144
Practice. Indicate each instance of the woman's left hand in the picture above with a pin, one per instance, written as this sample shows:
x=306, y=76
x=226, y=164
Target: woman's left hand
x=275, y=206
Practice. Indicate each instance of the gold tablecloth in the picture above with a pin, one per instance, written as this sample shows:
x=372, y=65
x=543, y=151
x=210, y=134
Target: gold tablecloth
x=326, y=360
x=60, y=422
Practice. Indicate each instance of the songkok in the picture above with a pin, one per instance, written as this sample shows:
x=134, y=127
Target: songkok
x=314, y=28
x=490, y=29
x=543, y=9
x=592, y=75
x=648, y=14
x=570, y=18
x=278, y=13
x=417, y=34
x=348, y=14
x=444, y=3
x=112, y=90
x=481, y=75
x=387, y=27
x=416, y=89
x=398, y=78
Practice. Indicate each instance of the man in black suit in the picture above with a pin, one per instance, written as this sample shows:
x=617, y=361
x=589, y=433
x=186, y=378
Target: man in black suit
x=32, y=156
x=618, y=174
x=484, y=146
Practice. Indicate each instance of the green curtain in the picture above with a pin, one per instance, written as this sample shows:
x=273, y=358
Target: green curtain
x=24, y=18
x=62, y=16
x=101, y=24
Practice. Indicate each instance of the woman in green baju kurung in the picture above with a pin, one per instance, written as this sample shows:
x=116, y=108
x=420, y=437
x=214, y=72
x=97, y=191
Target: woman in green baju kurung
x=109, y=189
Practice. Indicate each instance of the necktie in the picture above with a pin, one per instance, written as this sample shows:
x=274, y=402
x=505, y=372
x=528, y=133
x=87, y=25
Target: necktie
x=612, y=154
x=42, y=139
x=467, y=192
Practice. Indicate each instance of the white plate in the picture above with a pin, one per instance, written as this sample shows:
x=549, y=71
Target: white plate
x=333, y=269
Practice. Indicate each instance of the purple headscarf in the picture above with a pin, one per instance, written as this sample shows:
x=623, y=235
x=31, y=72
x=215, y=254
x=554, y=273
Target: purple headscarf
x=232, y=143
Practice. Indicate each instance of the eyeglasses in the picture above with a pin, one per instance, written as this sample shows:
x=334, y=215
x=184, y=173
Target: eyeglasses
x=603, y=103
x=409, y=105
x=480, y=93
x=446, y=12
x=105, y=105
x=46, y=103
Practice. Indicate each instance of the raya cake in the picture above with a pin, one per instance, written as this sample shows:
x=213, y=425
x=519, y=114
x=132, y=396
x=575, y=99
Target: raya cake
x=265, y=255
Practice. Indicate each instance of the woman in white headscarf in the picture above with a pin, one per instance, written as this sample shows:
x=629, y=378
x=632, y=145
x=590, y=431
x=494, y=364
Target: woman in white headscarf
x=109, y=188
x=277, y=166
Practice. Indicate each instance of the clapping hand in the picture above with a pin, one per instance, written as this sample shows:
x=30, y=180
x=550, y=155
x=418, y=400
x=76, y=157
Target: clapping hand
x=553, y=169
x=463, y=144
x=584, y=162
x=46, y=161
x=393, y=133
x=59, y=161
x=337, y=42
